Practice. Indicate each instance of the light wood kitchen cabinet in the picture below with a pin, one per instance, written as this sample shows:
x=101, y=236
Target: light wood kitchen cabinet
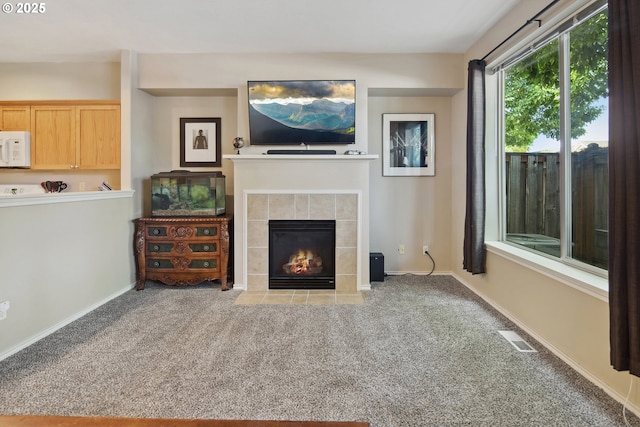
x=53, y=137
x=75, y=136
x=98, y=136
x=15, y=118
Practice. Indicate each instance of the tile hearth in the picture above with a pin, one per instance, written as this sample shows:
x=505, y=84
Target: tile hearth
x=299, y=297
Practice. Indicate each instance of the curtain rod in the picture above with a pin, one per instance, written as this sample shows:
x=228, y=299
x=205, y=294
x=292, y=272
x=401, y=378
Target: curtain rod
x=533, y=19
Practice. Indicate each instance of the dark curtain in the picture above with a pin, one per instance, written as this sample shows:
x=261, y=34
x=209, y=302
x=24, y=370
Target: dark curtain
x=624, y=184
x=474, y=248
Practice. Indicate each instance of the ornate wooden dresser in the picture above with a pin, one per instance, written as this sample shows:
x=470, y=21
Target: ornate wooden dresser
x=182, y=250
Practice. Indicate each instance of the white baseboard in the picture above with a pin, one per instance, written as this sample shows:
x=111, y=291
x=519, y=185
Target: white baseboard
x=567, y=359
x=35, y=338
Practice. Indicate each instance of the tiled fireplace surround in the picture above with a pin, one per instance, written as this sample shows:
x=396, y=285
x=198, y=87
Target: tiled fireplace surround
x=263, y=207
x=270, y=187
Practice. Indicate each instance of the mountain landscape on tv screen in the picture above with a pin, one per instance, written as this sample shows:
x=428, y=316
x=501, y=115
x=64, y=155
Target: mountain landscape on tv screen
x=302, y=111
x=265, y=130
x=321, y=114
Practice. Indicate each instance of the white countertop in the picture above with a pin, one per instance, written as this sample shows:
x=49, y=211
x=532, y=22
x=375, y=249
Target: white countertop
x=72, y=196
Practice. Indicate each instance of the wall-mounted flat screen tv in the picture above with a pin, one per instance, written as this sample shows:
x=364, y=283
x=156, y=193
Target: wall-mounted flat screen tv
x=287, y=112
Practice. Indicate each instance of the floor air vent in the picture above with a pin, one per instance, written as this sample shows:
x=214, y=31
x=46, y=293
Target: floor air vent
x=515, y=340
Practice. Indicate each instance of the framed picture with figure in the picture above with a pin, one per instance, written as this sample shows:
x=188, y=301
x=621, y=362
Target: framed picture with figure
x=200, y=142
x=408, y=144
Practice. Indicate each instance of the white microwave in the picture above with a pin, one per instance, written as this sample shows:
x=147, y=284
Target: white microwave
x=15, y=150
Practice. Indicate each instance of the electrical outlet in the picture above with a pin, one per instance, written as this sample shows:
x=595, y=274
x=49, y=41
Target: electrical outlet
x=401, y=249
x=425, y=249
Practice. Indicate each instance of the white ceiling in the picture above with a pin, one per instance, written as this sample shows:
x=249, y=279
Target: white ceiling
x=96, y=30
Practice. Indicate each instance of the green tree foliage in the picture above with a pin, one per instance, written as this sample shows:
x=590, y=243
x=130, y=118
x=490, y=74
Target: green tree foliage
x=532, y=87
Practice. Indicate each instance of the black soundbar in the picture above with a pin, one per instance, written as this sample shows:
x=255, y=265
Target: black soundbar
x=299, y=151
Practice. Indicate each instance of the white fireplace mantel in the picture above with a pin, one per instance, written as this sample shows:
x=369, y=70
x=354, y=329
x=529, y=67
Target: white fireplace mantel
x=277, y=180
x=300, y=157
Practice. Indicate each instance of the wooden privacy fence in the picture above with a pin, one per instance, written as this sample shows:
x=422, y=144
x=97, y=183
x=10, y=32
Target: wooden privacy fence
x=533, y=199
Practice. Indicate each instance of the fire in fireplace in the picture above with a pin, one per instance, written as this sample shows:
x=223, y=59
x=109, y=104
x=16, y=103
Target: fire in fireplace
x=302, y=254
x=303, y=262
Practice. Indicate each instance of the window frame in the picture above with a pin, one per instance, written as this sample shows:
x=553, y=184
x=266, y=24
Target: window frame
x=593, y=280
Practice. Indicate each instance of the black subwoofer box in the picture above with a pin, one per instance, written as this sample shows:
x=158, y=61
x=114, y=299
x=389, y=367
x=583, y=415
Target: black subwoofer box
x=376, y=267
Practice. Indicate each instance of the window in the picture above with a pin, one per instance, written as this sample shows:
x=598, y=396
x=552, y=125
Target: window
x=555, y=141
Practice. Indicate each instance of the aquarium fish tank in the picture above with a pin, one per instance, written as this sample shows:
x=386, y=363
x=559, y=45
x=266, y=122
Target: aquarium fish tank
x=185, y=193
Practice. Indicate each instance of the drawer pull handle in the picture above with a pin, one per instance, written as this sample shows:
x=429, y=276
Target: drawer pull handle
x=206, y=247
x=206, y=231
x=156, y=231
x=206, y=264
x=156, y=264
x=156, y=247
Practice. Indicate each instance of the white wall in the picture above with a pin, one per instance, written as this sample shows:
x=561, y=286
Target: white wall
x=433, y=71
x=56, y=81
x=413, y=211
x=143, y=150
x=59, y=260
x=382, y=83
x=232, y=71
x=569, y=321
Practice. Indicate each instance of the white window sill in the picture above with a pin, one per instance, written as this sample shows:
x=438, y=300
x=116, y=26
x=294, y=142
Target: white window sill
x=48, y=198
x=584, y=281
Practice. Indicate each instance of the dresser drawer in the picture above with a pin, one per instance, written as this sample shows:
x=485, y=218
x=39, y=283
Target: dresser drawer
x=159, y=247
x=184, y=231
x=208, y=231
x=182, y=247
x=156, y=231
x=204, y=264
x=159, y=263
x=211, y=247
x=183, y=264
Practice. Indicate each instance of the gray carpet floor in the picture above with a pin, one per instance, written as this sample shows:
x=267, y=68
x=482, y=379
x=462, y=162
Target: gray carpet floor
x=422, y=351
